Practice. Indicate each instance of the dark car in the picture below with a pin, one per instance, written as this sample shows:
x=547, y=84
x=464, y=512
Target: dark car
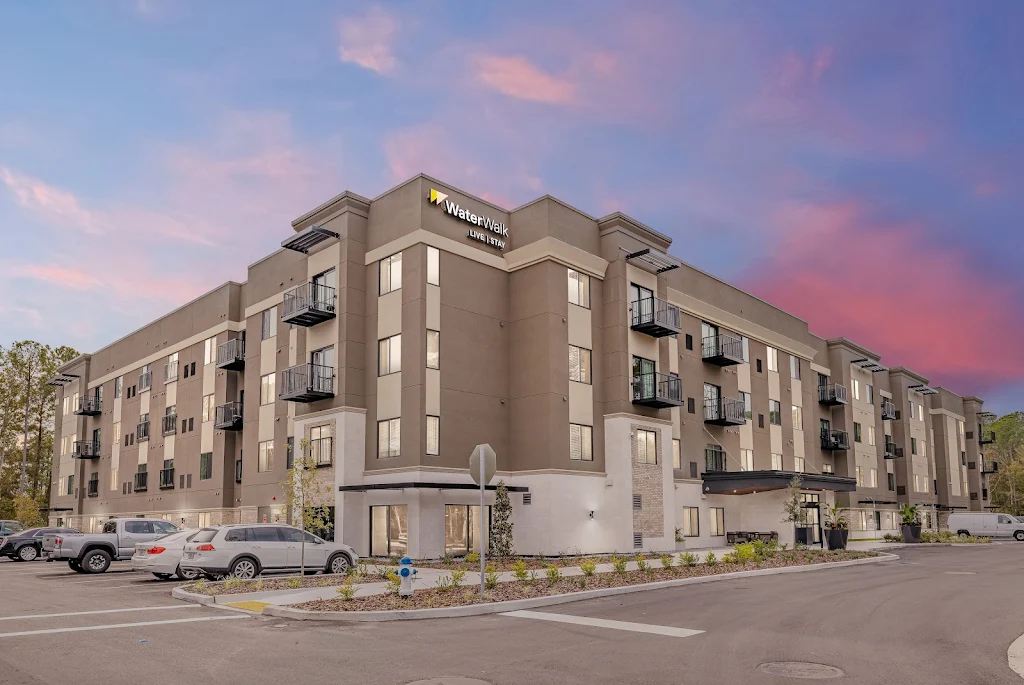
x=27, y=545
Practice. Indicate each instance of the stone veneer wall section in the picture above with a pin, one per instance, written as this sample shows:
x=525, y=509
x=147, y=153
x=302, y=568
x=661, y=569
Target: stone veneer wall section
x=647, y=482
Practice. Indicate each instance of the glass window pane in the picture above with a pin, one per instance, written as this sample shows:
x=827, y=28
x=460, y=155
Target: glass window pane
x=474, y=527
x=433, y=435
x=433, y=350
x=378, y=531
x=395, y=353
x=455, y=530
x=394, y=435
x=433, y=266
x=398, y=529
x=584, y=290
x=385, y=276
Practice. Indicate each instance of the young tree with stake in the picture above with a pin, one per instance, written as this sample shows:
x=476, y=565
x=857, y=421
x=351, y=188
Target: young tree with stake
x=304, y=494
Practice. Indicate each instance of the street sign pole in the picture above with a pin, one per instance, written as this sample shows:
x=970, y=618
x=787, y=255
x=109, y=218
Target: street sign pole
x=483, y=545
x=482, y=464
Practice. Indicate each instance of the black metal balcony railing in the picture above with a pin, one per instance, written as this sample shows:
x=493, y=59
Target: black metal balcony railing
x=990, y=467
x=141, y=481
x=88, y=406
x=889, y=412
x=892, y=451
x=238, y=470
x=655, y=317
x=166, y=478
x=170, y=424
x=657, y=390
x=94, y=488
x=724, y=411
x=307, y=383
x=142, y=431
x=321, y=451
x=308, y=304
x=86, y=449
x=228, y=416
x=231, y=355
x=835, y=440
x=714, y=458
x=170, y=371
x=145, y=381
x=722, y=349
x=986, y=437
x=832, y=394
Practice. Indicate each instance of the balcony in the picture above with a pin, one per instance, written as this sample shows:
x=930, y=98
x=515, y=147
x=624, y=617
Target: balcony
x=145, y=381
x=892, y=451
x=88, y=406
x=714, y=458
x=166, y=479
x=228, y=417
x=86, y=449
x=725, y=411
x=170, y=424
x=722, y=349
x=889, y=412
x=654, y=317
x=986, y=437
x=657, y=390
x=990, y=467
x=321, y=451
x=835, y=440
x=832, y=394
x=307, y=383
x=141, y=481
x=142, y=431
x=231, y=355
x=308, y=304
x=170, y=372
x=93, y=488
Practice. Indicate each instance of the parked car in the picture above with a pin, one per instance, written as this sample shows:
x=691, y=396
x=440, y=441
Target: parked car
x=27, y=545
x=247, y=550
x=8, y=528
x=987, y=524
x=162, y=556
x=93, y=552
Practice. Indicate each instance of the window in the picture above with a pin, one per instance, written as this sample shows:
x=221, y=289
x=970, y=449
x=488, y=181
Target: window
x=433, y=266
x=960, y=427
x=690, y=527
x=389, y=530
x=389, y=438
x=776, y=462
x=267, y=389
x=745, y=344
x=117, y=431
x=871, y=435
x=748, y=410
x=677, y=457
x=920, y=412
x=759, y=366
x=913, y=445
x=433, y=435
x=913, y=413
x=856, y=432
x=114, y=480
x=794, y=367
x=206, y=466
x=717, y=521
x=798, y=418
x=389, y=355
x=827, y=468
x=579, y=289
x=208, y=407
x=891, y=481
x=872, y=478
x=390, y=273
x=462, y=528
x=646, y=446
x=860, y=476
x=581, y=442
x=924, y=448
x=433, y=349
x=799, y=464
x=689, y=341
x=746, y=460
x=210, y=350
x=289, y=453
x=579, y=364
x=773, y=359
x=269, y=323
x=71, y=485
x=119, y=384
x=266, y=456
x=869, y=393
x=774, y=413
x=856, y=389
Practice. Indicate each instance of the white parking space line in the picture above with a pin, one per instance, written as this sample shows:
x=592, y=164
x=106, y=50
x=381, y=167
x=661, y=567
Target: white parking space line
x=162, y=607
x=122, y=625
x=148, y=586
x=605, y=623
x=99, y=580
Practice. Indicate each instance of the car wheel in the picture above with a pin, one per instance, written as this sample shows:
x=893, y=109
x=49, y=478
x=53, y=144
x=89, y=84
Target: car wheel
x=1019, y=536
x=187, y=575
x=964, y=534
x=243, y=569
x=338, y=564
x=95, y=561
x=28, y=553
x=162, y=576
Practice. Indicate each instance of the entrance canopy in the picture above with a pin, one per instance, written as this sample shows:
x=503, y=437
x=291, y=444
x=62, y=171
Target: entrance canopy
x=748, y=482
x=431, y=486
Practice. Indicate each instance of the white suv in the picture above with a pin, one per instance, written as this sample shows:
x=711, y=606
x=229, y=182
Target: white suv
x=246, y=550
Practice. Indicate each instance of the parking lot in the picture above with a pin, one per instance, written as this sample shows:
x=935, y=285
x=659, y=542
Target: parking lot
x=939, y=615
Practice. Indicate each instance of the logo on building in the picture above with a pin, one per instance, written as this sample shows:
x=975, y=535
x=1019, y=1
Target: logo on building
x=441, y=199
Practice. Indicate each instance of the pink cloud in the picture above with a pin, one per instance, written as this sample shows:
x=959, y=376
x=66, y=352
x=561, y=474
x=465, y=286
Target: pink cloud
x=56, y=206
x=368, y=41
x=986, y=189
x=518, y=77
x=68, y=277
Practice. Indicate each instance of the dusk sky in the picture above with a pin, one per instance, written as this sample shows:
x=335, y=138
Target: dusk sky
x=859, y=164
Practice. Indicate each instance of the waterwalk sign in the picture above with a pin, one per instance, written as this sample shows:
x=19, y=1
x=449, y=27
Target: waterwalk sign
x=488, y=224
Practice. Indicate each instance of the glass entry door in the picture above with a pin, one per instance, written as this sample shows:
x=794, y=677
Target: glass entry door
x=812, y=517
x=643, y=378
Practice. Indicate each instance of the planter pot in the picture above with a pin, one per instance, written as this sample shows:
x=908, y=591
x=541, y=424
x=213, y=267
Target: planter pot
x=911, y=533
x=837, y=537
x=681, y=546
x=803, y=536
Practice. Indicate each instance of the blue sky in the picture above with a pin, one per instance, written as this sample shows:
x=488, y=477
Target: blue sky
x=858, y=164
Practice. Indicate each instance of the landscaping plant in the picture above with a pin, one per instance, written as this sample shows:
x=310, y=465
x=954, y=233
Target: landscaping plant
x=519, y=570
x=553, y=573
x=711, y=559
x=588, y=566
x=641, y=562
x=490, y=578
x=500, y=545
x=667, y=560
x=619, y=564
x=347, y=591
x=688, y=559
x=305, y=495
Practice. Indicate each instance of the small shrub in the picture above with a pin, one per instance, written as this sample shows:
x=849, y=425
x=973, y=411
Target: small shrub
x=385, y=572
x=458, y=575
x=295, y=582
x=447, y=560
x=347, y=591
x=619, y=564
x=519, y=570
x=553, y=573
x=641, y=562
x=679, y=535
x=730, y=558
x=667, y=560
x=445, y=584
x=745, y=552
x=889, y=537
x=394, y=583
x=588, y=566
x=199, y=586
x=472, y=558
x=711, y=559
x=364, y=569
x=531, y=577
x=688, y=559
x=784, y=546
x=582, y=582
x=233, y=583
x=258, y=585
x=491, y=578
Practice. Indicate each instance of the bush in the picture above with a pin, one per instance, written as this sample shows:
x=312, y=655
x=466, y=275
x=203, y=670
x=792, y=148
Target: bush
x=458, y=575
x=667, y=560
x=641, y=563
x=711, y=559
x=295, y=582
x=531, y=577
x=588, y=566
x=472, y=558
x=519, y=570
x=619, y=564
x=394, y=582
x=745, y=551
x=347, y=591
x=491, y=578
x=553, y=573
x=233, y=583
x=730, y=558
x=889, y=537
x=688, y=559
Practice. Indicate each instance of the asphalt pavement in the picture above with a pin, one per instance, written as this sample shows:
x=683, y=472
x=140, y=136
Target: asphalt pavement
x=938, y=615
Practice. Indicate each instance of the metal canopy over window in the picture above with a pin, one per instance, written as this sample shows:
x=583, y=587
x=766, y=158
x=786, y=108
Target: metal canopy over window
x=433, y=486
x=869, y=365
x=986, y=416
x=62, y=379
x=308, y=238
x=653, y=260
x=747, y=482
x=923, y=389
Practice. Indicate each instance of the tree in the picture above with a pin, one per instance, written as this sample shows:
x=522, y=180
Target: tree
x=500, y=544
x=304, y=493
x=1006, y=488
x=792, y=506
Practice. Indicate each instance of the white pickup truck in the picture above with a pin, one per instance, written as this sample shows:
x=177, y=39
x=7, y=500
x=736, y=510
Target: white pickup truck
x=93, y=552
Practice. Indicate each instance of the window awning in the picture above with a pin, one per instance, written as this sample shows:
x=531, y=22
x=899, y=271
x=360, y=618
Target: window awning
x=308, y=238
x=877, y=501
x=430, y=486
x=923, y=389
x=62, y=379
x=653, y=260
x=869, y=365
x=749, y=482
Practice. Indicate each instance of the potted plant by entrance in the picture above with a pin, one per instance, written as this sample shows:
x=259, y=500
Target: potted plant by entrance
x=836, y=528
x=911, y=523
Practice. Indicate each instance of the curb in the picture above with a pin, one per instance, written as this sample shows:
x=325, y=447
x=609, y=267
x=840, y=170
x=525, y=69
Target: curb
x=185, y=596
x=533, y=602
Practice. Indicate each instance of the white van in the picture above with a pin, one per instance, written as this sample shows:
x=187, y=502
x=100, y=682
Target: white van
x=987, y=524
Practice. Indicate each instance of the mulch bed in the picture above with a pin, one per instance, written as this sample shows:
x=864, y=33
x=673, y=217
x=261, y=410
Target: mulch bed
x=542, y=586
x=264, y=584
x=535, y=563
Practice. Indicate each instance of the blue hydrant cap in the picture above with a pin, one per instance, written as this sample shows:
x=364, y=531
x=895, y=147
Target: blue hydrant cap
x=406, y=561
